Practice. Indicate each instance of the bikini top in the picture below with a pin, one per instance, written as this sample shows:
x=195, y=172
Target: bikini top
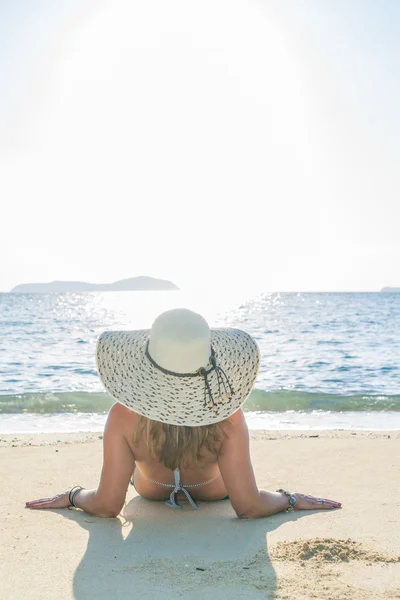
x=178, y=487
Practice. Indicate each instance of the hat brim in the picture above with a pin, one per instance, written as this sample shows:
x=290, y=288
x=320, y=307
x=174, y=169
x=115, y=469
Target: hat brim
x=131, y=379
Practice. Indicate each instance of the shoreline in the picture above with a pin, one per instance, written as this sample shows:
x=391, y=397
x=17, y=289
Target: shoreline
x=67, y=423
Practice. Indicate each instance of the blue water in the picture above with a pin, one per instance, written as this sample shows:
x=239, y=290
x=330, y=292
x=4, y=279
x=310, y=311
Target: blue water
x=325, y=357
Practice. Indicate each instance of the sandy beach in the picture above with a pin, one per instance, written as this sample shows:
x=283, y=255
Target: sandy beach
x=153, y=552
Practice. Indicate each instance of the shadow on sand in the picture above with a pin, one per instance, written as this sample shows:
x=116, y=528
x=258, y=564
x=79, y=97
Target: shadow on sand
x=158, y=553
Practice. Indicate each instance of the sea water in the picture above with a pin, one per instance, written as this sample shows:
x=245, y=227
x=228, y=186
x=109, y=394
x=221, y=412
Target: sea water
x=328, y=360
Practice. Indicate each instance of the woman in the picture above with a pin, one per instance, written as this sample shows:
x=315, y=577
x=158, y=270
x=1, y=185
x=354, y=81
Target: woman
x=178, y=424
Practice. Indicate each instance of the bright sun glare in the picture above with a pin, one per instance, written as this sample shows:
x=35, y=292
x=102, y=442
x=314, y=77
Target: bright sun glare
x=177, y=146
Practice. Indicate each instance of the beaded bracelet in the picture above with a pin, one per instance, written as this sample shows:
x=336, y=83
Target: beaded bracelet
x=291, y=498
x=73, y=492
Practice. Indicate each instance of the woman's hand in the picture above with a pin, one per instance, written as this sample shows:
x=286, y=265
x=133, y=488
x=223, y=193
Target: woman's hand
x=304, y=502
x=59, y=501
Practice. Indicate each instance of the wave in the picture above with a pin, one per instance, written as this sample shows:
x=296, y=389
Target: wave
x=259, y=400
x=56, y=402
x=283, y=400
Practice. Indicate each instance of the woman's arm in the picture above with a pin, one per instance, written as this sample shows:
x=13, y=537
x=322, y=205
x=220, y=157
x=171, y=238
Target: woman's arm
x=118, y=464
x=237, y=472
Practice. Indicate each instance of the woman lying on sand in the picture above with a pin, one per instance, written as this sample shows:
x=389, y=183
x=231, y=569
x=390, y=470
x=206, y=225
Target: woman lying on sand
x=177, y=429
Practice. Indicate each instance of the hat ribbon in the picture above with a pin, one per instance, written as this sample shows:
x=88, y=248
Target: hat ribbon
x=222, y=379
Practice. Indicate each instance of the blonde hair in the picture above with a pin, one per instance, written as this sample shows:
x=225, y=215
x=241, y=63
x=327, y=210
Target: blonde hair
x=177, y=446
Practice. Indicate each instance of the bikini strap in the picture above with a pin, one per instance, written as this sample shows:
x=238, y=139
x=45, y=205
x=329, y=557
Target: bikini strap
x=177, y=488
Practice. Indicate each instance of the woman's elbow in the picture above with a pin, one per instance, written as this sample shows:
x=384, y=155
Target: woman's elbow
x=247, y=511
x=248, y=514
x=108, y=511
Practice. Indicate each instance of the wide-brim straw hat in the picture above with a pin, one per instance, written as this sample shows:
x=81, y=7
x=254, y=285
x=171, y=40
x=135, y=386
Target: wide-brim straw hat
x=180, y=371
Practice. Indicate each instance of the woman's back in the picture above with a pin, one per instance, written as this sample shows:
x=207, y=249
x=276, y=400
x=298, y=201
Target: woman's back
x=193, y=473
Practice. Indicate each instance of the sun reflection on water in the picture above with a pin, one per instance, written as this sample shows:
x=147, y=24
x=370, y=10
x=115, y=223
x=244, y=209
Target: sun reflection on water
x=138, y=310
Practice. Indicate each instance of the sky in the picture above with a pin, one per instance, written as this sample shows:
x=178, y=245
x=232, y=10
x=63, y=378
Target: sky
x=222, y=144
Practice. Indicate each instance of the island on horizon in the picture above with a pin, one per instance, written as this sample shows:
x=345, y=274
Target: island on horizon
x=134, y=284
x=390, y=289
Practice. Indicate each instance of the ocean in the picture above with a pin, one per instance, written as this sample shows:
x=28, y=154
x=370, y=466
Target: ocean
x=328, y=360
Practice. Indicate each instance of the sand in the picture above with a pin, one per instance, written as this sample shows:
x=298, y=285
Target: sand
x=153, y=552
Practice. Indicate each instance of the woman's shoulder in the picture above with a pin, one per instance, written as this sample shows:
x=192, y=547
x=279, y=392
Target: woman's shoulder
x=235, y=424
x=122, y=416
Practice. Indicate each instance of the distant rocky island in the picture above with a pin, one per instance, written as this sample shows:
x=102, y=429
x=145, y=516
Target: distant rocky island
x=390, y=289
x=135, y=284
